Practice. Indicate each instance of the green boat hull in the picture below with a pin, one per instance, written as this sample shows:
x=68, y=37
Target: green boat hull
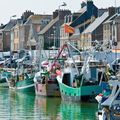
x=26, y=85
x=75, y=94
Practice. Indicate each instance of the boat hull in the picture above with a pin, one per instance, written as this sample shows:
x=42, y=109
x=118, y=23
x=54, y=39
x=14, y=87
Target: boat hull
x=26, y=85
x=75, y=94
x=49, y=89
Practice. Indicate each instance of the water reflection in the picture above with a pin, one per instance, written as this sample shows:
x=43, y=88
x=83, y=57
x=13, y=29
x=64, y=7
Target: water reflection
x=88, y=111
x=18, y=106
x=77, y=111
x=55, y=109
x=70, y=111
x=47, y=108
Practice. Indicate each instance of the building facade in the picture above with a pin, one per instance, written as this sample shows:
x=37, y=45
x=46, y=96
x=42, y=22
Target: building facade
x=1, y=43
x=51, y=33
x=6, y=32
x=87, y=15
x=94, y=32
x=111, y=31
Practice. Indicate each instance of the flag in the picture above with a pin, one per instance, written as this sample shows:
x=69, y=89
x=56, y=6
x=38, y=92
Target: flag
x=68, y=29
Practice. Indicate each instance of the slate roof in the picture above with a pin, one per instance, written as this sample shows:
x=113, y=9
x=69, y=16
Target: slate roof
x=91, y=10
x=98, y=21
x=111, y=18
x=37, y=18
x=49, y=25
x=10, y=25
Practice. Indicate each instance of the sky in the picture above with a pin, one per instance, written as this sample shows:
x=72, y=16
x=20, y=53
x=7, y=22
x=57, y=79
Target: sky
x=9, y=8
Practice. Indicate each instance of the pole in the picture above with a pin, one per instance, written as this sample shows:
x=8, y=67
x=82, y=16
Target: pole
x=11, y=43
x=54, y=37
x=115, y=36
x=40, y=53
x=58, y=30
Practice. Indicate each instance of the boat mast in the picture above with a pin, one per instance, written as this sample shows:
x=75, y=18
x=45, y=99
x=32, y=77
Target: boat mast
x=115, y=36
x=40, y=52
x=68, y=44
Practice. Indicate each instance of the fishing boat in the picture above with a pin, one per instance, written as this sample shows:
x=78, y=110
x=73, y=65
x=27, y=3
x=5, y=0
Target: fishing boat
x=19, y=80
x=22, y=83
x=46, y=83
x=110, y=107
x=45, y=80
x=4, y=74
x=75, y=87
x=79, y=79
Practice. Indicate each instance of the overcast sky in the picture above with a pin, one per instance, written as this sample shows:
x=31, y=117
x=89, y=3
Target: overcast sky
x=17, y=7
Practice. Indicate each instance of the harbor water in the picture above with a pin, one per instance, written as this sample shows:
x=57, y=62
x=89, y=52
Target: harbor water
x=19, y=106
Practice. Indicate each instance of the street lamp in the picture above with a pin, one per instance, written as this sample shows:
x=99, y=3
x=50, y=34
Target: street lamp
x=58, y=28
x=64, y=4
x=12, y=16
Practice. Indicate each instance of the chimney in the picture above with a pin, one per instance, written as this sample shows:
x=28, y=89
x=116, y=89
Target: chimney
x=55, y=14
x=111, y=11
x=89, y=4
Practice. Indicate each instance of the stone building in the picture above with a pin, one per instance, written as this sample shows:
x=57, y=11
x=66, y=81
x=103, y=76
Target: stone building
x=111, y=31
x=50, y=35
x=6, y=35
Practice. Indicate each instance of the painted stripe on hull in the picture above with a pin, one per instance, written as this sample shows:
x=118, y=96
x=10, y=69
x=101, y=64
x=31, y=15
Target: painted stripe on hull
x=24, y=87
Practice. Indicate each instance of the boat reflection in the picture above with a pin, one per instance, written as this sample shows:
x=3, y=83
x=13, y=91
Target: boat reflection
x=70, y=111
x=21, y=106
x=77, y=111
x=55, y=109
x=47, y=108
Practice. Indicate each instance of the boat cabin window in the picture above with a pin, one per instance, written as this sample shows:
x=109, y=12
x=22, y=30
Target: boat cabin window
x=43, y=79
x=66, y=79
